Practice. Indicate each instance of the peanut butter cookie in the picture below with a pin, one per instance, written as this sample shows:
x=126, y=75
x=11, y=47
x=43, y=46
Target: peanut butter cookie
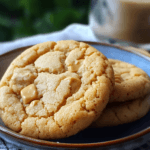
x=54, y=90
x=131, y=82
x=121, y=113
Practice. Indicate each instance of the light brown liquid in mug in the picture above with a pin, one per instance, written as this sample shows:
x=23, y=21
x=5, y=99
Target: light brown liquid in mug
x=132, y=23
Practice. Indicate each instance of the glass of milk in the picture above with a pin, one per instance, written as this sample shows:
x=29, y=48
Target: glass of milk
x=127, y=20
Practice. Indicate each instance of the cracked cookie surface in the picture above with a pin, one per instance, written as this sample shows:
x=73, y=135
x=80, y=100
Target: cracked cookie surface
x=54, y=90
x=131, y=82
x=121, y=113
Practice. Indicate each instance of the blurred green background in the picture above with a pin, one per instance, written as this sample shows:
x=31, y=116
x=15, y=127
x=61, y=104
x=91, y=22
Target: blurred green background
x=21, y=18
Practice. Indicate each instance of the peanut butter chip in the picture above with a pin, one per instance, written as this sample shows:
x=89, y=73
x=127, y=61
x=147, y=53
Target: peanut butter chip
x=29, y=93
x=74, y=85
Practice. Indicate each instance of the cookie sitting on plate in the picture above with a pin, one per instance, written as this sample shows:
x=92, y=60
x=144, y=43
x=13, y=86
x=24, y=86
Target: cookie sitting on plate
x=54, y=90
x=129, y=99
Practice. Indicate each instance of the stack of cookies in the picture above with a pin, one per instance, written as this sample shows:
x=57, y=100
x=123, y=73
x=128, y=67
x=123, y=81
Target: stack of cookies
x=55, y=90
x=129, y=100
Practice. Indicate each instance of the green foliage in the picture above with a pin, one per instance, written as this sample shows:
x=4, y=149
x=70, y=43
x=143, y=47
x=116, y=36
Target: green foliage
x=20, y=18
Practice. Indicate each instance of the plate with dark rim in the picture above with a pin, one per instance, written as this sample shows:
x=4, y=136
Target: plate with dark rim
x=127, y=136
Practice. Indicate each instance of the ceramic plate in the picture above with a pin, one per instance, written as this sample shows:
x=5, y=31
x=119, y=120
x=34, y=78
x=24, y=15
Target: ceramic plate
x=125, y=136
